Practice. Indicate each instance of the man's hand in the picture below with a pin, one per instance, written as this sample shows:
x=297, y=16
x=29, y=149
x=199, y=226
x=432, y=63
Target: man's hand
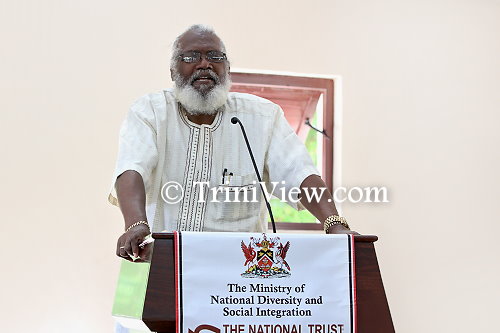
x=132, y=199
x=128, y=243
x=340, y=229
x=323, y=208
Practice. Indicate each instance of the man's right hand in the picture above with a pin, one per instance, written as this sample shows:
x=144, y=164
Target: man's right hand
x=132, y=198
x=128, y=243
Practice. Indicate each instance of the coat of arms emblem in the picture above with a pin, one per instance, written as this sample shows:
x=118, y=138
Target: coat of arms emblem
x=265, y=258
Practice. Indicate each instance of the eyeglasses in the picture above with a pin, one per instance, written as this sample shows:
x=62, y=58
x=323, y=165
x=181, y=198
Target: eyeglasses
x=195, y=56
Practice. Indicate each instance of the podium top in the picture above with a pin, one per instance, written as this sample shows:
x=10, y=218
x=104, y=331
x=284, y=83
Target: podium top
x=357, y=238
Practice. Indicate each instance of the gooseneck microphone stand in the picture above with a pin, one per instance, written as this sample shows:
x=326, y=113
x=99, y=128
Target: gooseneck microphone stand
x=235, y=120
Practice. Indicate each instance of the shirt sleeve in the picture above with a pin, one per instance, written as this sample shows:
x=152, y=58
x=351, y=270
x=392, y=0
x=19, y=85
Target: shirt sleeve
x=287, y=160
x=137, y=149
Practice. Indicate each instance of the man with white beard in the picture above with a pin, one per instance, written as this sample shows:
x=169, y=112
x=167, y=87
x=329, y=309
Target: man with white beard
x=180, y=158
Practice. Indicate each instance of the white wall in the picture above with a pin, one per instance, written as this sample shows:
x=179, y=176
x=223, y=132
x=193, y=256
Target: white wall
x=420, y=113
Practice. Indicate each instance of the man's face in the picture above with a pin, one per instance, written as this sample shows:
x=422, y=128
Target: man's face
x=203, y=76
x=201, y=87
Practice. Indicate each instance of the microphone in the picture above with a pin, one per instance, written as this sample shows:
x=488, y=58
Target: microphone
x=235, y=120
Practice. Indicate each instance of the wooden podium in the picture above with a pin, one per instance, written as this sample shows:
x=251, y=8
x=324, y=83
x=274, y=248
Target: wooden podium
x=148, y=298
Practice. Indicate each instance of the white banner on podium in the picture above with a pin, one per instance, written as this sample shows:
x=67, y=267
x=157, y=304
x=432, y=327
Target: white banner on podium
x=265, y=283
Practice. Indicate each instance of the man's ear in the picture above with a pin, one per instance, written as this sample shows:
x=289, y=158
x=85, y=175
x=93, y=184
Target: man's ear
x=171, y=74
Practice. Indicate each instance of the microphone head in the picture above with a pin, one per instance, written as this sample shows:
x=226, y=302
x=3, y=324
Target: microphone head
x=234, y=120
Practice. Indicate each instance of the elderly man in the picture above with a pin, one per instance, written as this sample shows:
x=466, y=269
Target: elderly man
x=183, y=140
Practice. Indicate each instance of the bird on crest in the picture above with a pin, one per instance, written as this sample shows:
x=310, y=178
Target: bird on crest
x=280, y=256
x=249, y=253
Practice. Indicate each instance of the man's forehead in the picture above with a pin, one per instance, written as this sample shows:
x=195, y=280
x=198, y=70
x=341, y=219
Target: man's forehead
x=196, y=40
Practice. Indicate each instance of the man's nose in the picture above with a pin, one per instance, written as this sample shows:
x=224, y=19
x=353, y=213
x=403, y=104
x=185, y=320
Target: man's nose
x=204, y=63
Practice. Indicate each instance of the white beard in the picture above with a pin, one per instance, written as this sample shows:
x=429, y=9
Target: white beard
x=197, y=103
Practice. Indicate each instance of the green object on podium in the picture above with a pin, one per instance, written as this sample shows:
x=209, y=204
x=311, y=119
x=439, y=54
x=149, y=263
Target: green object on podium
x=130, y=295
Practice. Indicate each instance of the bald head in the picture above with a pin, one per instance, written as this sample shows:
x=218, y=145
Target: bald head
x=194, y=33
